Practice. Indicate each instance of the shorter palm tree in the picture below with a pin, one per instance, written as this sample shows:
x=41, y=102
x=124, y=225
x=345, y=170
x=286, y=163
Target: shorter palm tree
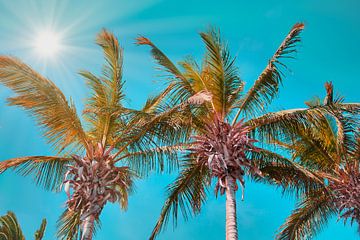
x=330, y=149
x=11, y=230
x=97, y=164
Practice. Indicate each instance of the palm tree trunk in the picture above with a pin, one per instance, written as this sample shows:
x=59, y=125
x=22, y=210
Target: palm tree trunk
x=88, y=228
x=231, y=223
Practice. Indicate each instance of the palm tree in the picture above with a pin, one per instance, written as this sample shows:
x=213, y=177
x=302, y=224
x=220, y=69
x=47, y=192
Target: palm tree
x=223, y=147
x=11, y=230
x=331, y=150
x=96, y=164
x=219, y=150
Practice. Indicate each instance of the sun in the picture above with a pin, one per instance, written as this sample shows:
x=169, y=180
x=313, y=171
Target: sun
x=47, y=44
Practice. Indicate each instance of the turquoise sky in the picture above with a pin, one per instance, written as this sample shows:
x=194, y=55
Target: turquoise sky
x=329, y=51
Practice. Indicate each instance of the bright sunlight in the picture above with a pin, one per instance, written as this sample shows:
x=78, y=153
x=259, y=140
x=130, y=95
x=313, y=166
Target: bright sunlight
x=47, y=44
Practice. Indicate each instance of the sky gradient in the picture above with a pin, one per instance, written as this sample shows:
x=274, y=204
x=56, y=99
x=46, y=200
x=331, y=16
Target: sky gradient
x=253, y=29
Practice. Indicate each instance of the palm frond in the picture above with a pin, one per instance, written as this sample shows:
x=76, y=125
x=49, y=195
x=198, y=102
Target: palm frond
x=200, y=79
x=220, y=65
x=104, y=107
x=151, y=128
x=315, y=146
x=313, y=153
x=48, y=172
x=278, y=170
x=266, y=86
x=68, y=226
x=127, y=187
x=345, y=118
x=156, y=150
x=161, y=58
x=276, y=125
x=44, y=101
x=356, y=147
x=10, y=228
x=311, y=214
x=39, y=234
x=352, y=108
x=345, y=124
x=182, y=88
x=186, y=194
x=154, y=159
x=153, y=103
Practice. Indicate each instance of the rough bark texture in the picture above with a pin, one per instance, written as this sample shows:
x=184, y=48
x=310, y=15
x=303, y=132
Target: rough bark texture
x=88, y=228
x=231, y=222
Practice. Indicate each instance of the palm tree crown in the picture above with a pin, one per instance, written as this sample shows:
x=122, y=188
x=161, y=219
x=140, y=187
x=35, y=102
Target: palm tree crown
x=222, y=149
x=10, y=228
x=96, y=164
x=329, y=148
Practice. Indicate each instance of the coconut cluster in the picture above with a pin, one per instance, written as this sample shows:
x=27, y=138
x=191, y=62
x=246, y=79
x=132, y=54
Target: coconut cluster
x=346, y=192
x=92, y=181
x=223, y=150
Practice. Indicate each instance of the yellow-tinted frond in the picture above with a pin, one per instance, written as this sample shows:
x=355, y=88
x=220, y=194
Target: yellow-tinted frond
x=43, y=100
x=104, y=106
x=221, y=72
x=152, y=103
x=10, y=228
x=201, y=80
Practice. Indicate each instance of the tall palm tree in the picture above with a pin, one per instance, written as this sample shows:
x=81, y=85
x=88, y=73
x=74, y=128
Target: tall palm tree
x=96, y=164
x=331, y=150
x=219, y=150
x=11, y=230
x=223, y=147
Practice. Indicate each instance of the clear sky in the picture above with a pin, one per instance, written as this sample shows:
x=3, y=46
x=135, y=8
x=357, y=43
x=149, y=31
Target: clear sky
x=329, y=51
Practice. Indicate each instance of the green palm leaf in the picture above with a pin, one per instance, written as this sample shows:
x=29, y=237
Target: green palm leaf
x=311, y=214
x=161, y=58
x=182, y=87
x=10, y=228
x=280, y=171
x=325, y=147
x=187, y=192
x=276, y=125
x=48, y=172
x=39, y=234
x=223, y=80
x=266, y=86
x=154, y=159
